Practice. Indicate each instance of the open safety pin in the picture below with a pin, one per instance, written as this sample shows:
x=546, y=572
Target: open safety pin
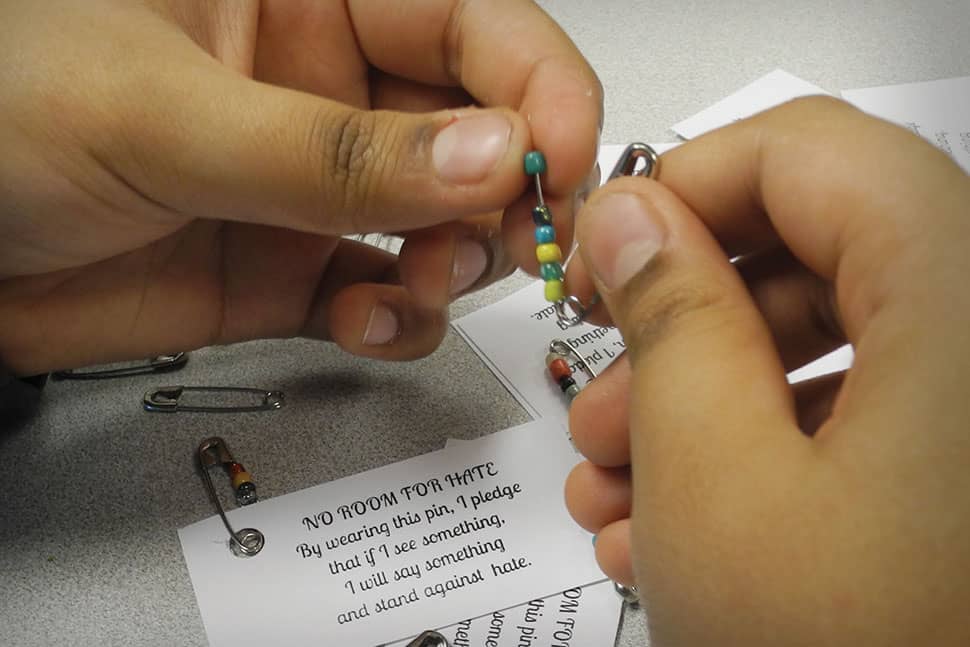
x=167, y=399
x=638, y=160
x=212, y=452
x=159, y=364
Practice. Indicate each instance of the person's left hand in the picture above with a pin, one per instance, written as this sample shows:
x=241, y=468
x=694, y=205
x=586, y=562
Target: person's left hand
x=177, y=174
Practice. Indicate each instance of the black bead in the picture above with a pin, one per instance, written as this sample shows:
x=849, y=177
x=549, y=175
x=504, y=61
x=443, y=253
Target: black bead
x=566, y=382
x=541, y=215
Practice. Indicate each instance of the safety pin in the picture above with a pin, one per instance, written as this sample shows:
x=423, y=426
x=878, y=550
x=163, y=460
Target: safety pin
x=167, y=399
x=639, y=160
x=159, y=364
x=212, y=452
x=429, y=639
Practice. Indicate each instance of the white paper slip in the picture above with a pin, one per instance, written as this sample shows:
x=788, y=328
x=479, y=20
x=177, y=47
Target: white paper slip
x=512, y=337
x=938, y=111
x=383, y=555
x=581, y=617
x=770, y=90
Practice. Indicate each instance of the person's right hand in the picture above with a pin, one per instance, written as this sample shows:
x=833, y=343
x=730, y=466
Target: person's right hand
x=835, y=513
x=177, y=173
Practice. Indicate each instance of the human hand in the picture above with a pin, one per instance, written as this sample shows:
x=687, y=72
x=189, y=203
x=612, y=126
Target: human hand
x=177, y=173
x=834, y=513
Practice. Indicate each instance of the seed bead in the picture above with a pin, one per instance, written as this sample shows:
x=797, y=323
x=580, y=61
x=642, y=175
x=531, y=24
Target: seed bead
x=535, y=163
x=554, y=291
x=549, y=253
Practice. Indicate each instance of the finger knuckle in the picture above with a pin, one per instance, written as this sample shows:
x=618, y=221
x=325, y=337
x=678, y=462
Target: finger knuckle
x=659, y=309
x=343, y=152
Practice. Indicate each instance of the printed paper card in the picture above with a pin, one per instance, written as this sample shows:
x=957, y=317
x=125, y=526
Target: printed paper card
x=581, y=617
x=383, y=555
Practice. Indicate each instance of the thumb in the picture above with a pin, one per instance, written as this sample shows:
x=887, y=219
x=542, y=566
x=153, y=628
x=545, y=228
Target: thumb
x=218, y=145
x=710, y=405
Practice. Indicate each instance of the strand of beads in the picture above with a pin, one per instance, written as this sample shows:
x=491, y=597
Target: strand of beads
x=547, y=251
x=558, y=365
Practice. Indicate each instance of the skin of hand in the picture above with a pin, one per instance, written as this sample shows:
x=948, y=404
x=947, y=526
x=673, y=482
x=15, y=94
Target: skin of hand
x=750, y=512
x=179, y=173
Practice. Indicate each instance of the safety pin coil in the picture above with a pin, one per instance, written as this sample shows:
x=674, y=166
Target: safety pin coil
x=246, y=542
x=158, y=364
x=167, y=399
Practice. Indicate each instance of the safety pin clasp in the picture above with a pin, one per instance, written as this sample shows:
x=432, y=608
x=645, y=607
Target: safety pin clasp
x=638, y=160
x=562, y=347
x=158, y=364
x=214, y=452
x=168, y=399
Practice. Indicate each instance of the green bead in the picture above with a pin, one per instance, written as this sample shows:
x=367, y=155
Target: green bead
x=535, y=163
x=550, y=271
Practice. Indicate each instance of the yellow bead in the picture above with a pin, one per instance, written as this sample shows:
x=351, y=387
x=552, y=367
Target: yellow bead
x=554, y=291
x=549, y=253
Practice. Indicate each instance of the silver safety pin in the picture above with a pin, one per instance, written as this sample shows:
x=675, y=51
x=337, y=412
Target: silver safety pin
x=565, y=348
x=213, y=452
x=638, y=160
x=167, y=399
x=159, y=364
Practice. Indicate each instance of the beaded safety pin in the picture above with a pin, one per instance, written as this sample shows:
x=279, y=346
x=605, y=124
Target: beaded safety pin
x=558, y=360
x=213, y=452
x=639, y=160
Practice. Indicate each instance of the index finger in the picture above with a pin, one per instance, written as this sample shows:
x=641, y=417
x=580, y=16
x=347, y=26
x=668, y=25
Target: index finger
x=504, y=53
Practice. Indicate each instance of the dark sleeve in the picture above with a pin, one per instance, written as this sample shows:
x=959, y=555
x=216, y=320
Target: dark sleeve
x=19, y=397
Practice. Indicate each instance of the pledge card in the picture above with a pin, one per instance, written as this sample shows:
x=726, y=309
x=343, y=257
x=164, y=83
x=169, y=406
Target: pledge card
x=585, y=616
x=380, y=556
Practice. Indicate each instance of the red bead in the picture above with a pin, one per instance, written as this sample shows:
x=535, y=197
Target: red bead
x=559, y=369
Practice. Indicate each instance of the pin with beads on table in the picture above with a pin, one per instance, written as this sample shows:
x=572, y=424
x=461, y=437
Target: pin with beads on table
x=637, y=160
x=214, y=452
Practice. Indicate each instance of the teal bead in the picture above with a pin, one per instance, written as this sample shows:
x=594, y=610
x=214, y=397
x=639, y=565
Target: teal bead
x=535, y=163
x=541, y=215
x=551, y=271
x=545, y=234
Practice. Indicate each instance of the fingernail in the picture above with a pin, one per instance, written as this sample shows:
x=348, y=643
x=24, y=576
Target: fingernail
x=382, y=326
x=622, y=237
x=466, y=150
x=470, y=262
